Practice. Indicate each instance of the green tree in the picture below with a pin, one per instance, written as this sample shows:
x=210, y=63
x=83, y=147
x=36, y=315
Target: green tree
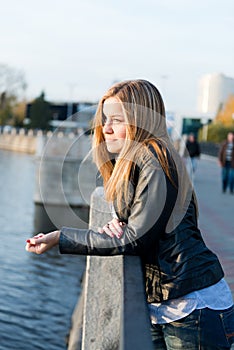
x=40, y=113
x=6, y=105
x=217, y=132
x=225, y=114
x=12, y=86
x=19, y=112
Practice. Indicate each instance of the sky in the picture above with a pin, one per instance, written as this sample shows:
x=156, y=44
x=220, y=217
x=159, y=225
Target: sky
x=74, y=50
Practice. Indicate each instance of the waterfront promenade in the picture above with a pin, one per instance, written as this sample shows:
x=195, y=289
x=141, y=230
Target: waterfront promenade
x=216, y=214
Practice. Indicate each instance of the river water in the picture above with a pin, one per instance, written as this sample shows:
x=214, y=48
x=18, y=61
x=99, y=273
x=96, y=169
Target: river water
x=37, y=293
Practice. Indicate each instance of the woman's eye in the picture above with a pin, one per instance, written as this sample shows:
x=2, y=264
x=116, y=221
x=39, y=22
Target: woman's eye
x=116, y=120
x=110, y=121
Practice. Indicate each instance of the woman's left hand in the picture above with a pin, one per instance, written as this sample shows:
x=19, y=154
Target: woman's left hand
x=42, y=242
x=113, y=228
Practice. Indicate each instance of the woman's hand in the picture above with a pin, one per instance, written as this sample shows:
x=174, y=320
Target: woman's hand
x=42, y=242
x=113, y=228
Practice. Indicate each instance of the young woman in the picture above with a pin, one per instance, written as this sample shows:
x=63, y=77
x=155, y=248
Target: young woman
x=155, y=217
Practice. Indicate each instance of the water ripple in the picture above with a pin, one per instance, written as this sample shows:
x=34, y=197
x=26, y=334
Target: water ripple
x=38, y=293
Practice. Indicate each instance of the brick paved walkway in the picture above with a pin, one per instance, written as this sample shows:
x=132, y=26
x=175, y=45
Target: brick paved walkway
x=216, y=219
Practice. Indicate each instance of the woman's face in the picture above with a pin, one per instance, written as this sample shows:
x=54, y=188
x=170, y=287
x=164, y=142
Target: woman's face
x=230, y=137
x=114, y=125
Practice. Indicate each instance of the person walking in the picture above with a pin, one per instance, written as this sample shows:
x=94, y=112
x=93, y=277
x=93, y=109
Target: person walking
x=155, y=216
x=226, y=161
x=192, y=153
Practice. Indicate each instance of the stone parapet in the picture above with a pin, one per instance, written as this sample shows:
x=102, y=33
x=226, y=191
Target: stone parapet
x=18, y=142
x=111, y=312
x=65, y=179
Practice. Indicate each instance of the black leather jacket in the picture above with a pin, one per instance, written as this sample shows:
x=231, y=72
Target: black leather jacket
x=174, y=257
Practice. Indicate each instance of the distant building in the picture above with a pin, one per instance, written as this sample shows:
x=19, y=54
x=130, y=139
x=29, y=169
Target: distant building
x=213, y=92
x=186, y=123
x=69, y=115
x=214, y=89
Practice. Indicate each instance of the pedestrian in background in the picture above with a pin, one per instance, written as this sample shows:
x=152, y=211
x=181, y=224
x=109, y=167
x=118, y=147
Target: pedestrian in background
x=192, y=153
x=155, y=216
x=226, y=161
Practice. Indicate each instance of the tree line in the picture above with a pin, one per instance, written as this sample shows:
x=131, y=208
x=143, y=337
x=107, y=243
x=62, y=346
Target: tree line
x=13, y=107
x=223, y=122
x=13, y=102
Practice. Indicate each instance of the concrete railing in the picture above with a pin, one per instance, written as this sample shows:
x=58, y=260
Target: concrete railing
x=111, y=312
x=65, y=179
x=31, y=141
x=18, y=141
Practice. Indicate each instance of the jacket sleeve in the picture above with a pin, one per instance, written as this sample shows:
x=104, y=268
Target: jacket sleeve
x=152, y=205
x=221, y=152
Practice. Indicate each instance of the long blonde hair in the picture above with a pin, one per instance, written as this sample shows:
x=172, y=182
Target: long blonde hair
x=144, y=112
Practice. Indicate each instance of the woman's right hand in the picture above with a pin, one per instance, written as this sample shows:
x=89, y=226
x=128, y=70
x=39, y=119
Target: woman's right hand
x=113, y=228
x=42, y=242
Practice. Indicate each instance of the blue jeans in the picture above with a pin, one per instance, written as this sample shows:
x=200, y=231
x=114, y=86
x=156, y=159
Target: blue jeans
x=228, y=177
x=203, y=329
